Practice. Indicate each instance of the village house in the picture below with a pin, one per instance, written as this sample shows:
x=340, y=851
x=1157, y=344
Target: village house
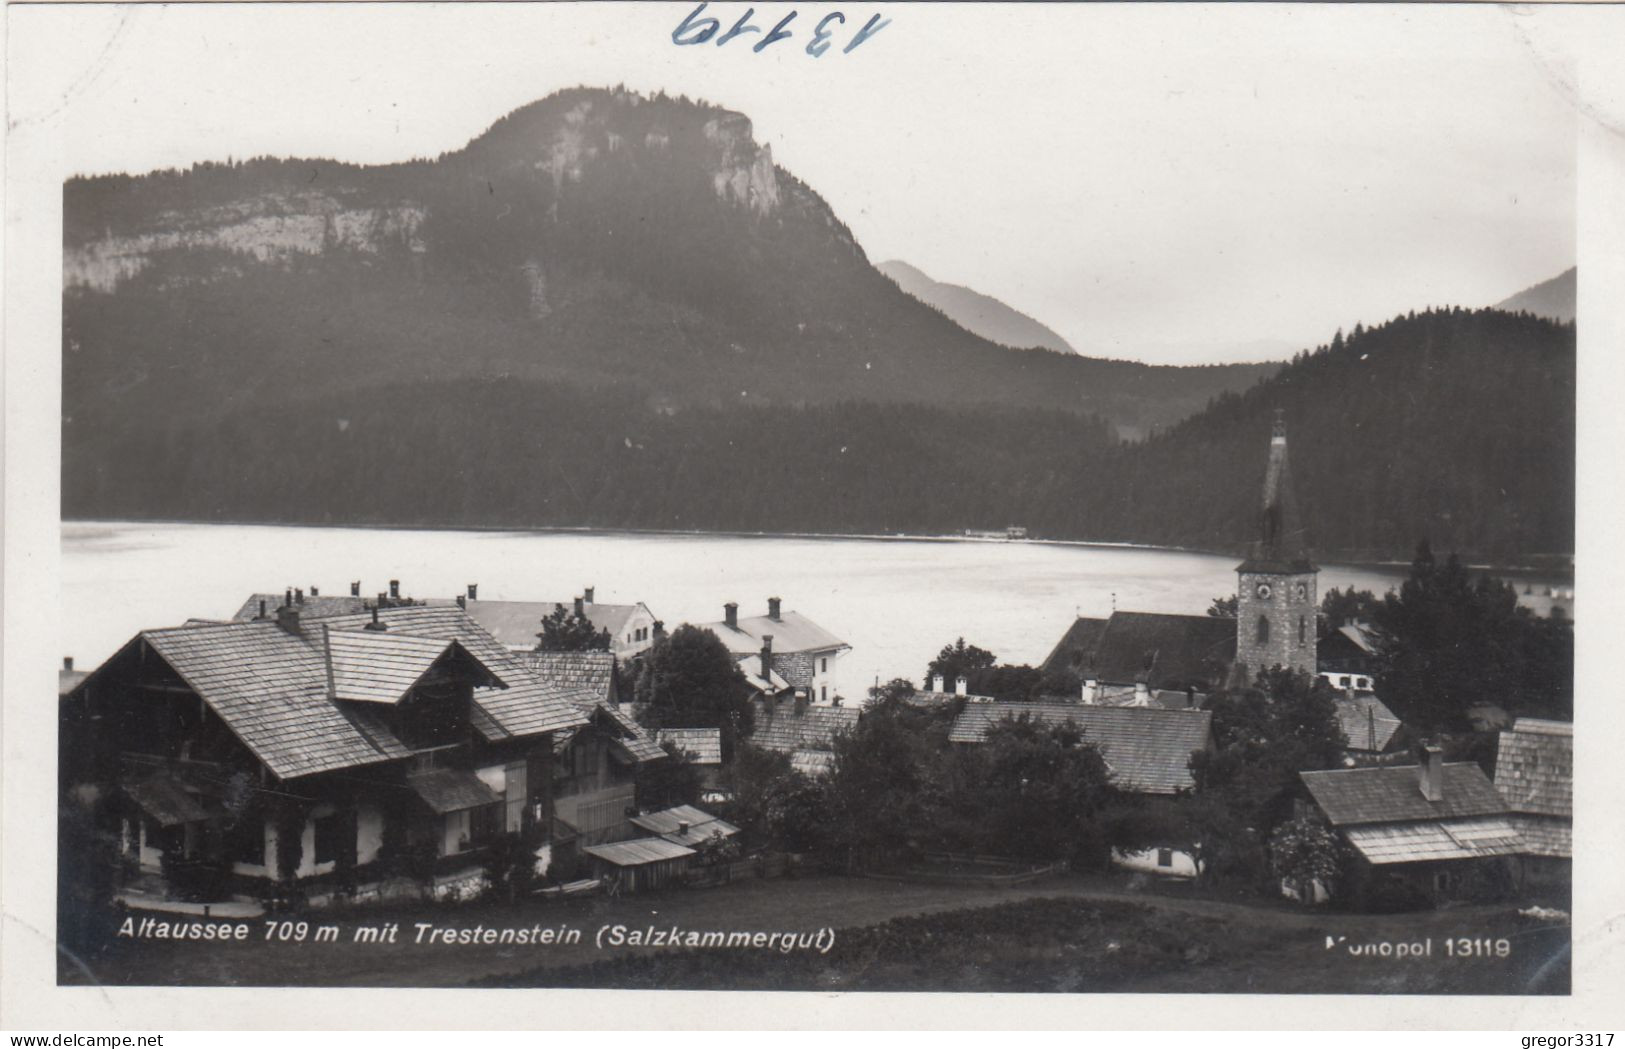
x=802, y=653
x=1534, y=773
x=1432, y=832
x=632, y=629
x=789, y=724
x=329, y=749
x=595, y=766
x=1349, y=649
x=703, y=748
x=1370, y=729
x=1147, y=750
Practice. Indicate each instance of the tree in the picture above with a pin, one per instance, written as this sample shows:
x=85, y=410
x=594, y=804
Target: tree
x=1223, y=607
x=1345, y=606
x=1263, y=736
x=690, y=680
x=566, y=631
x=885, y=790
x=1448, y=641
x=1304, y=850
x=1038, y=791
x=959, y=660
x=669, y=783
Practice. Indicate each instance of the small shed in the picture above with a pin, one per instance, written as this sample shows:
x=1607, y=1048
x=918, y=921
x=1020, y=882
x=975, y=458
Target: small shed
x=684, y=825
x=640, y=864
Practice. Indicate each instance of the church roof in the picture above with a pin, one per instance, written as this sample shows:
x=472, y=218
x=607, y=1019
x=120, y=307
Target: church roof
x=1282, y=545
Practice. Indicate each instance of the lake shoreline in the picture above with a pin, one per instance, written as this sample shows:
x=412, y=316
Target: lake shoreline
x=1561, y=568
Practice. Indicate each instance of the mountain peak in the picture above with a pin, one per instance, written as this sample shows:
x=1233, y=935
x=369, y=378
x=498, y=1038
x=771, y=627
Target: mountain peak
x=977, y=313
x=1554, y=299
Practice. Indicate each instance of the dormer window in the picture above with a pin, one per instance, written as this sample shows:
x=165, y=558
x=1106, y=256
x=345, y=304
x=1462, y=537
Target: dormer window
x=422, y=687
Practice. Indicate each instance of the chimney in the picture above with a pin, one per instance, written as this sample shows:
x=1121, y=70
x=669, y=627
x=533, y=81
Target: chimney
x=462, y=602
x=1142, y=694
x=287, y=617
x=473, y=591
x=314, y=592
x=1090, y=691
x=961, y=686
x=375, y=625
x=588, y=592
x=67, y=662
x=730, y=615
x=773, y=609
x=262, y=614
x=1430, y=773
x=299, y=597
x=287, y=597
x=767, y=657
x=581, y=608
x=355, y=588
x=682, y=828
x=936, y=683
x=394, y=589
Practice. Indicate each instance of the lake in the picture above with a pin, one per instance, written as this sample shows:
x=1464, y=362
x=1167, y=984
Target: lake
x=897, y=601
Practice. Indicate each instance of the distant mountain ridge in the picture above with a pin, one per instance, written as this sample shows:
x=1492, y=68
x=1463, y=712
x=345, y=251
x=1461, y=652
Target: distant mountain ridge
x=1555, y=298
x=980, y=314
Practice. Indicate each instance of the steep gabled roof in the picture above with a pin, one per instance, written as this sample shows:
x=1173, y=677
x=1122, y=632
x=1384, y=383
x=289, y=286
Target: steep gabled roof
x=791, y=632
x=1366, y=721
x=1392, y=794
x=270, y=686
x=376, y=666
x=1534, y=767
x=590, y=673
x=1148, y=749
x=668, y=824
x=702, y=745
x=1076, y=649
x=778, y=727
x=1168, y=651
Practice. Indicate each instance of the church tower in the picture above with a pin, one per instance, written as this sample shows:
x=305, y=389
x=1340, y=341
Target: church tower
x=1276, y=598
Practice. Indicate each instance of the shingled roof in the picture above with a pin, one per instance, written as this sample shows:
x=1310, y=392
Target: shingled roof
x=1148, y=749
x=1366, y=721
x=591, y=673
x=310, y=606
x=702, y=745
x=1392, y=794
x=1077, y=646
x=778, y=727
x=271, y=687
x=1534, y=767
x=1166, y=651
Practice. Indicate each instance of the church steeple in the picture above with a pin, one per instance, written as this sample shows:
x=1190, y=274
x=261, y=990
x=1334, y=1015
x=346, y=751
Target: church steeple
x=1276, y=597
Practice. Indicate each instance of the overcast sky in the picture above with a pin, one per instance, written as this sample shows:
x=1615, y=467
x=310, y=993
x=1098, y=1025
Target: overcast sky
x=1170, y=183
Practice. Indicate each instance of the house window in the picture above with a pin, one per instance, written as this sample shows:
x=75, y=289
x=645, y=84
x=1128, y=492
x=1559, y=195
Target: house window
x=484, y=823
x=586, y=758
x=330, y=837
x=1263, y=630
x=824, y=665
x=247, y=842
x=823, y=693
x=1165, y=857
x=1441, y=881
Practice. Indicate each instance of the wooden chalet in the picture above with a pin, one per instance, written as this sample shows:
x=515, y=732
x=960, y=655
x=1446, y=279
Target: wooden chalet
x=1431, y=832
x=327, y=750
x=1534, y=773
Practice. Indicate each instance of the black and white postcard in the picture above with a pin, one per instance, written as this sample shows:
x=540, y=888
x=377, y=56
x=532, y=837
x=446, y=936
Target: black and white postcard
x=1084, y=502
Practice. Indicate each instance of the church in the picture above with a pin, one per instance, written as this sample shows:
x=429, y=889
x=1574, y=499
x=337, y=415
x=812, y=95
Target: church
x=1158, y=659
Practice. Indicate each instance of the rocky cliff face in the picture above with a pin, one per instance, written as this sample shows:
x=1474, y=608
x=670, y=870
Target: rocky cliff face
x=268, y=228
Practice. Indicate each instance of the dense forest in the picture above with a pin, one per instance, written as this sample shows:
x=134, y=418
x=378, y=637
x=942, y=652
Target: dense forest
x=1452, y=425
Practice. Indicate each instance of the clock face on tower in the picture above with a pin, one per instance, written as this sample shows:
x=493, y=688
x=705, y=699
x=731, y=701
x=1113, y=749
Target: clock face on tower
x=1303, y=591
x=1263, y=591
